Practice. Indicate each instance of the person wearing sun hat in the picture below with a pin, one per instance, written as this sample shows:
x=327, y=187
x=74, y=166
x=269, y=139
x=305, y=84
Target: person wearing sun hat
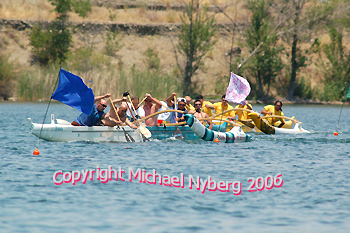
x=274, y=110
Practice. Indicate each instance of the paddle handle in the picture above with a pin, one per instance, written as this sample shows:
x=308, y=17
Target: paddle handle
x=131, y=113
x=141, y=102
x=175, y=108
x=131, y=103
x=284, y=117
x=209, y=118
x=157, y=113
x=115, y=110
x=234, y=109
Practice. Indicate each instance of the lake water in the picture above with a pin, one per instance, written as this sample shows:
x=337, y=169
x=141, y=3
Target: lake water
x=314, y=196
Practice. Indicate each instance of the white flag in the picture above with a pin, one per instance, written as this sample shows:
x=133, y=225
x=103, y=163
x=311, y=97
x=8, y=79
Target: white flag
x=238, y=89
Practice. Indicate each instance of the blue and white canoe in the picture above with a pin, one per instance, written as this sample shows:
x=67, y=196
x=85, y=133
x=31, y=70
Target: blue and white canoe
x=236, y=134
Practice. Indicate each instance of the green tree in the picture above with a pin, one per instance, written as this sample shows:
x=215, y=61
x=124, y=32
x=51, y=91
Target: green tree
x=335, y=66
x=113, y=43
x=196, y=39
x=53, y=43
x=266, y=63
x=303, y=18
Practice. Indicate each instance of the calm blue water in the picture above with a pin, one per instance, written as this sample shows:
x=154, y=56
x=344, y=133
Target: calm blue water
x=314, y=197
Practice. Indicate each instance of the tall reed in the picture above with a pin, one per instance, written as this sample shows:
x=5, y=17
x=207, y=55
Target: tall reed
x=39, y=84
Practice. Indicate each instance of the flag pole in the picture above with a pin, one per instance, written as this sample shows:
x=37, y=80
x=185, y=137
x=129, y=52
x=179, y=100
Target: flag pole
x=36, y=151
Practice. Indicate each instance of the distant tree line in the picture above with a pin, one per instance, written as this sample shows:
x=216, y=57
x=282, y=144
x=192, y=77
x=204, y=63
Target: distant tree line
x=280, y=37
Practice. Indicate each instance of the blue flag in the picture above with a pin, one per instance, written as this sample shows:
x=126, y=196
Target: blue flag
x=72, y=91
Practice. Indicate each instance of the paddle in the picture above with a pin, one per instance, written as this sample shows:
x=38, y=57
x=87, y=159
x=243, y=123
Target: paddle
x=230, y=122
x=175, y=124
x=144, y=131
x=141, y=102
x=157, y=113
x=245, y=122
x=127, y=136
x=141, y=132
x=284, y=117
x=177, y=133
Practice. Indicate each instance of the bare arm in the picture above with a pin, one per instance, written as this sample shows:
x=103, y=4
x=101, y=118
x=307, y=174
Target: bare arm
x=208, y=121
x=130, y=124
x=264, y=112
x=111, y=119
x=170, y=99
x=158, y=104
x=98, y=98
x=249, y=107
x=210, y=124
x=119, y=101
x=209, y=106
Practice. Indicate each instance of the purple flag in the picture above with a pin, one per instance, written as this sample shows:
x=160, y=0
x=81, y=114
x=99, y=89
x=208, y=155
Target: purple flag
x=238, y=89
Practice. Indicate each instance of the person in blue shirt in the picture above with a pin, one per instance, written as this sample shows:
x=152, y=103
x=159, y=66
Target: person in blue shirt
x=96, y=115
x=181, y=105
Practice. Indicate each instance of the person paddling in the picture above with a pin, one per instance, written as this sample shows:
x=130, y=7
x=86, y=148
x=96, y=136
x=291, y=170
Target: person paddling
x=243, y=115
x=96, y=115
x=207, y=107
x=113, y=119
x=224, y=106
x=199, y=114
x=274, y=110
x=152, y=105
x=181, y=105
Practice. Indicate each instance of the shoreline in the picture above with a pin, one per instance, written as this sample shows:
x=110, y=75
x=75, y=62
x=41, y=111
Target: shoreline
x=260, y=102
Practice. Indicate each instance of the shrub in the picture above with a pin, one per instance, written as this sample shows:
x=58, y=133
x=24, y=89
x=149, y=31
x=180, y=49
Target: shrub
x=112, y=43
x=7, y=76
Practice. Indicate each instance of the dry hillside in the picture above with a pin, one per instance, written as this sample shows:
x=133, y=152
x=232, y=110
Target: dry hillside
x=142, y=25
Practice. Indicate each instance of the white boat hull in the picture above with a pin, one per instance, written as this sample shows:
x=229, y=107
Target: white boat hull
x=63, y=132
x=297, y=129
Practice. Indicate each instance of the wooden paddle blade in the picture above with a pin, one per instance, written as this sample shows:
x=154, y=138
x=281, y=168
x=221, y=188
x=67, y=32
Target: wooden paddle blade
x=144, y=131
x=178, y=134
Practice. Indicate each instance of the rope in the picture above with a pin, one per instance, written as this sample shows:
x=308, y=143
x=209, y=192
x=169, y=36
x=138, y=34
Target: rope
x=339, y=116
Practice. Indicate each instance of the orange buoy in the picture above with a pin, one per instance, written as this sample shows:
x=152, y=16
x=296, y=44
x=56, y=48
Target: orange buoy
x=335, y=133
x=36, y=152
x=216, y=140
